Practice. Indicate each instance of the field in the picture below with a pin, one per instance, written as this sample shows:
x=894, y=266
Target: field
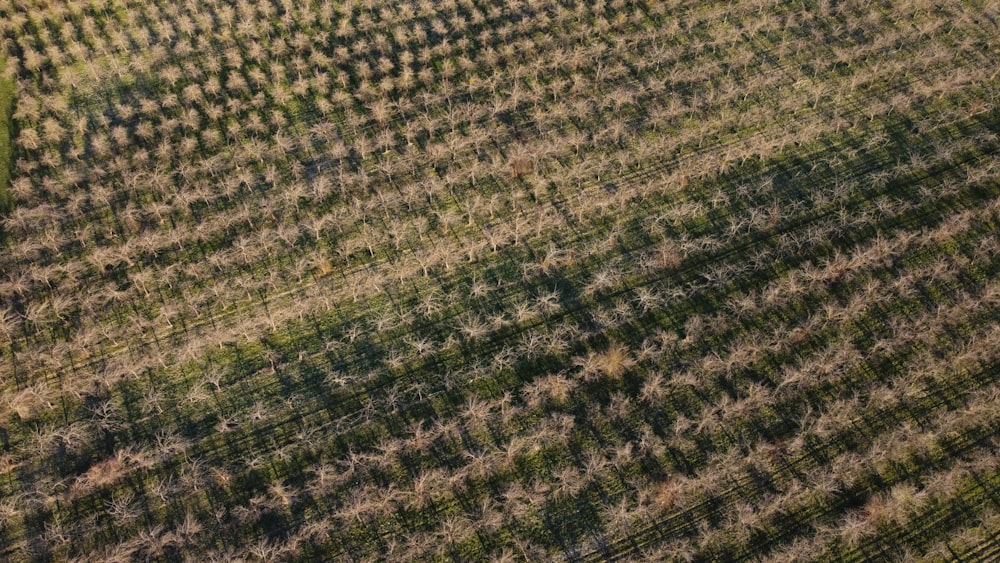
x=500, y=280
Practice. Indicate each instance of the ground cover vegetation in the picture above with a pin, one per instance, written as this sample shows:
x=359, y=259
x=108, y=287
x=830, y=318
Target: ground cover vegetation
x=483, y=279
x=6, y=110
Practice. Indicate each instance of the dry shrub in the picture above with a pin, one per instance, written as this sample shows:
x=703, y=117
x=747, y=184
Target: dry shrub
x=102, y=473
x=665, y=494
x=668, y=255
x=612, y=363
x=615, y=360
x=551, y=389
x=324, y=268
x=521, y=164
x=30, y=402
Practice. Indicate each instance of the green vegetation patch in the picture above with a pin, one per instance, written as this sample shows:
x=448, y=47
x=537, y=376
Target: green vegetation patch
x=6, y=128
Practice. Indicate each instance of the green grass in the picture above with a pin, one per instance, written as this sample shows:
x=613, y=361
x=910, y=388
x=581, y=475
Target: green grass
x=6, y=128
